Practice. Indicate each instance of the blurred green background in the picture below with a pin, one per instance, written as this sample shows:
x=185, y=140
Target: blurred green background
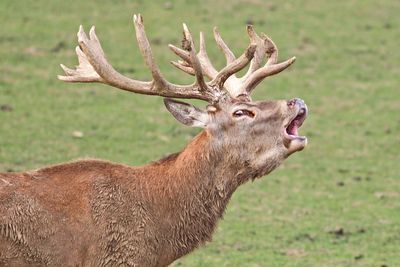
x=335, y=204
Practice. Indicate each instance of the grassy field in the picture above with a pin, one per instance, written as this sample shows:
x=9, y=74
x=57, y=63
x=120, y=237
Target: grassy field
x=335, y=204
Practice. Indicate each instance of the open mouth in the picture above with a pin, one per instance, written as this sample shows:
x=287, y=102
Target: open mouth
x=291, y=130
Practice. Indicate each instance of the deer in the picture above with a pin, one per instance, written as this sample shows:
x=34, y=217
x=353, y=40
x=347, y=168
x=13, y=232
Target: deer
x=92, y=212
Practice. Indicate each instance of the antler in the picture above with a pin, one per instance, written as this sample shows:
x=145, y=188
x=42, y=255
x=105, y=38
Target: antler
x=94, y=67
x=265, y=47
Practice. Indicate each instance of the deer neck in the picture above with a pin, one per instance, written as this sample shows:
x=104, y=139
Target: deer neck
x=207, y=169
x=199, y=183
x=195, y=188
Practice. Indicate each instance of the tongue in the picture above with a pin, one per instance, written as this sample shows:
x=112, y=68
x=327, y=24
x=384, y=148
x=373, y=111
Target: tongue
x=292, y=128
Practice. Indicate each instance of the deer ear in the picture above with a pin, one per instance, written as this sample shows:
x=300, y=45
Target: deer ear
x=186, y=113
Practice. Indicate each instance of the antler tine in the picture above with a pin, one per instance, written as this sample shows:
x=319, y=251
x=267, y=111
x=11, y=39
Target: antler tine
x=208, y=68
x=187, y=44
x=184, y=64
x=180, y=52
x=145, y=49
x=230, y=57
x=183, y=67
x=271, y=51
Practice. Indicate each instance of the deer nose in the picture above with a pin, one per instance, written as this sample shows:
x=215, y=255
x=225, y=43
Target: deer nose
x=296, y=101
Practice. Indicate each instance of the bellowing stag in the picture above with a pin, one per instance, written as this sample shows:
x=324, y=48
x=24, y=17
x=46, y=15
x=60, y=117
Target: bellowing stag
x=99, y=213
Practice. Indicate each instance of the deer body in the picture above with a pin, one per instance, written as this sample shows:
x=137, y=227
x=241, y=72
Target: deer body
x=98, y=213
x=117, y=213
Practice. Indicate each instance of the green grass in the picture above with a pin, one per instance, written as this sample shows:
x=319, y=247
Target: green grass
x=335, y=204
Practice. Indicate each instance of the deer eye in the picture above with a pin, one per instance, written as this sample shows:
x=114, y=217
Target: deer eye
x=243, y=112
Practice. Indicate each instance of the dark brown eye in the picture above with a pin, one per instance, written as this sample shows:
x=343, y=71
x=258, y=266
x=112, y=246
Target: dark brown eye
x=243, y=112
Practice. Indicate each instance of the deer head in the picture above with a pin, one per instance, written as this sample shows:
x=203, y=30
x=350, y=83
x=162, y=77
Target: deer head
x=256, y=134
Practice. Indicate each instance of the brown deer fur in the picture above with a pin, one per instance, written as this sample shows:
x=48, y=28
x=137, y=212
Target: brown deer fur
x=97, y=213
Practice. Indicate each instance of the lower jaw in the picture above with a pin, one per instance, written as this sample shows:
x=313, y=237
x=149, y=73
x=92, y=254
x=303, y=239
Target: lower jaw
x=296, y=144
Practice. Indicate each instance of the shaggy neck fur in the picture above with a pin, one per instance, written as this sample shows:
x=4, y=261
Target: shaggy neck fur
x=197, y=185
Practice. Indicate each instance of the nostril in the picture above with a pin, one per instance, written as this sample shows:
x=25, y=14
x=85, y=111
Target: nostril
x=291, y=102
x=295, y=101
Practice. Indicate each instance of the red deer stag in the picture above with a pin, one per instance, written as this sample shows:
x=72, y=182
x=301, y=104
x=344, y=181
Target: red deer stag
x=98, y=213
